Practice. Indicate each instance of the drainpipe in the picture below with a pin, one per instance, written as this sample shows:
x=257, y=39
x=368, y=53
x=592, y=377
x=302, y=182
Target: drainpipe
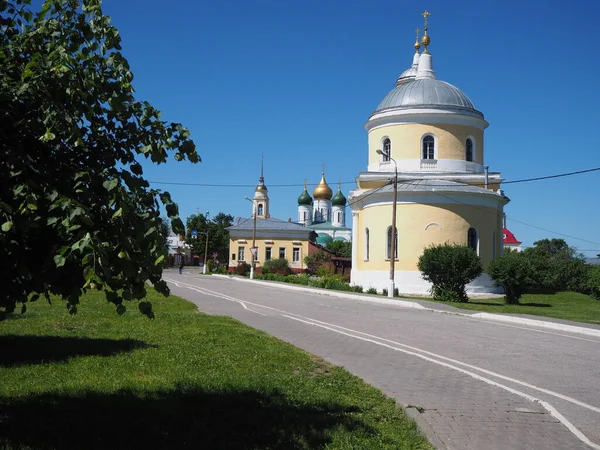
x=486, y=176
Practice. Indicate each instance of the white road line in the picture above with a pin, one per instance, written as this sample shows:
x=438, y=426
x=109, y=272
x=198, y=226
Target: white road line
x=338, y=328
x=553, y=411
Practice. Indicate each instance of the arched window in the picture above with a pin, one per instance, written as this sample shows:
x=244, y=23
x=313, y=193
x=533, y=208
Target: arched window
x=260, y=209
x=469, y=150
x=367, y=243
x=387, y=149
x=428, y=147
x=389, y=243
x=472, y=239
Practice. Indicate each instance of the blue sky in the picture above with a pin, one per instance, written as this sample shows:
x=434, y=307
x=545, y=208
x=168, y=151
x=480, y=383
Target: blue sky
x=297, y=80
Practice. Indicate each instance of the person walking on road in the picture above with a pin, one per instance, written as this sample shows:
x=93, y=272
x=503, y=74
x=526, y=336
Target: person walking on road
x=181, y=265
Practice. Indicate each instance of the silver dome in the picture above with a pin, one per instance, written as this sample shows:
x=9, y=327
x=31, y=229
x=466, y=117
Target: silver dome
x=427, y=92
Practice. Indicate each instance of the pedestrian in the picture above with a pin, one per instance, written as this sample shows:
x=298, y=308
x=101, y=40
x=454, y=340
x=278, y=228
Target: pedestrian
x=181, y=265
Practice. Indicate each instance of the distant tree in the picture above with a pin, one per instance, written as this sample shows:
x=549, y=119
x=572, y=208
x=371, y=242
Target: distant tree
x=218, y=236
x=75, y=209
x=316, y=261
x=594, y=281
x=165, y=230
x=555, y=266
x=341, y=248
x=449, y=268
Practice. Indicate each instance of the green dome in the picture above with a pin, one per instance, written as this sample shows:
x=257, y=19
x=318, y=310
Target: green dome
x=338, y=199
x=305, y=199
x=323, y=239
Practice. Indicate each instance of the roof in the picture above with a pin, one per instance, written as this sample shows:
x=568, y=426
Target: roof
x=426, y=92
x=271, y=224
x=325, y=226
x=510, y=238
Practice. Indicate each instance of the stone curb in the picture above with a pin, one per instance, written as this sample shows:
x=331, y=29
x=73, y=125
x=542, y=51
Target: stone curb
x=409, y=304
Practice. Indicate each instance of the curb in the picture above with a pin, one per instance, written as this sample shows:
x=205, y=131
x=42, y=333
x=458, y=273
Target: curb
x=536, y=323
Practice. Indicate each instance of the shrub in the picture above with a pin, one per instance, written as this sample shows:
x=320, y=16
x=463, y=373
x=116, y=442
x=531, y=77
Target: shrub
x=358, y=289
x=302, y=279
x=315, y=261
x=396, y=292
x=371, y=290
x=243, y=268
x=512, y=272
x=384, y=292
x=279, y=266
x=324, y=271
x=449, y=268
x=594, y=282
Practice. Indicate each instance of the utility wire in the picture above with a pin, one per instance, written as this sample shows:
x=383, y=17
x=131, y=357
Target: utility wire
x=525, y=180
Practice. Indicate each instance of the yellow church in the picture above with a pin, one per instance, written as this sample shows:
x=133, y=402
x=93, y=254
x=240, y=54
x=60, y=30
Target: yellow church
x=427, y=138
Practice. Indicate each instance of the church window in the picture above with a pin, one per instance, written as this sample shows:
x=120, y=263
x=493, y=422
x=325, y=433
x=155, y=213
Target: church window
x=428, y=147
x=304, y=214
x=387, y=150
x=389, y=243
x=472, y=239
x=367, y=244
x=260, y=209
x=469, y=150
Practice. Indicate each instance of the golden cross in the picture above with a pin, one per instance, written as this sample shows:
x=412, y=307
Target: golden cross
x=426, y=14
x=417, y=31
x=323, y=166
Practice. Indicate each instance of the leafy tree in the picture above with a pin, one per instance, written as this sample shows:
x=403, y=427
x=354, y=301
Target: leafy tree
x=165, y=230
x=449, y=268
x=218, y=236
x=512, y=272
x=315, y=261
x=75, y=209
x=594, y=281
x=342, y=248
x=555, y=266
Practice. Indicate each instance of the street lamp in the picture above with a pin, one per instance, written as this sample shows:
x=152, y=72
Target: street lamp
x=393, y=236
x=253, y=249
x=206, y=246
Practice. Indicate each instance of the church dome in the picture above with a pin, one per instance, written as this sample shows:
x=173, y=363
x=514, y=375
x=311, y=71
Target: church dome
x=323, y=239
x=322, y=191
x=305, y=199
x=338, y=199
x=426, y=93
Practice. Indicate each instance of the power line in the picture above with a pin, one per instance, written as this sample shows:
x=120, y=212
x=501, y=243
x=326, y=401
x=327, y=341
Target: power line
x=524, y=180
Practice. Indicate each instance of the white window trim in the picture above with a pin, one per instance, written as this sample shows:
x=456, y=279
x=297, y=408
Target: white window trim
x=382, y=147
x=435, y=147
x=294, y=251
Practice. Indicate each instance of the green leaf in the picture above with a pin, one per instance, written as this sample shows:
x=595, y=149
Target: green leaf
x=109, y=185
x=159, y=260
x=6, y=226
x=59, y=260
x=117, y=213
x=32, y=206
x=122, y=254
x=48, y=136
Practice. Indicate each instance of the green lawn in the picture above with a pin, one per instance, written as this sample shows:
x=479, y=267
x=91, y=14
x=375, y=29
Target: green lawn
x=562, y=305
x=97, y=380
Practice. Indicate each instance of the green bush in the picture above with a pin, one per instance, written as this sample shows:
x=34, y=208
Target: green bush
x=371, y=290
x=384, y=292
x=279, y=266
x=315, y=261
x=594, y=282
x=243, y=268
x=358, y=289
x=302, y=279
x=511, y=272
x=449, y=268
x=396, y=292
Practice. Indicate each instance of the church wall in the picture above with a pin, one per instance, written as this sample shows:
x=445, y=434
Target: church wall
x=420, y=225
x=406, y=141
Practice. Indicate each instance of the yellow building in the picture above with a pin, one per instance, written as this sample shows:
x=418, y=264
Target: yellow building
x=427, y=135
x=271, y=238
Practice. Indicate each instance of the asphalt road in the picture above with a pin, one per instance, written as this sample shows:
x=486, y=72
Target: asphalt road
x=478, y=384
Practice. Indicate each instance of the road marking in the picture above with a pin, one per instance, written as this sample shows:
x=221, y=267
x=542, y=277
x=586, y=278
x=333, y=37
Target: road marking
x=553, y=411
x=338, y=328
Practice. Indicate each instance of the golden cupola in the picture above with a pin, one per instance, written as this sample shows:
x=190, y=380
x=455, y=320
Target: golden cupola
x=322, y=190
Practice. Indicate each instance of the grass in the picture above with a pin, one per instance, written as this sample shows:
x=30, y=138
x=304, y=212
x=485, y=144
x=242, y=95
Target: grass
x=562, y=305
x=97, y=380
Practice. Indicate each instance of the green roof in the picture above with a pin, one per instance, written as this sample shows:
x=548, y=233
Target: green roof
x=324, y=239
x=338, y=199
x=305, y=199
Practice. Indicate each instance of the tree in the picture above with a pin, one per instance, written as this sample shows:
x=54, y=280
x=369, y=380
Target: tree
x=449, y=268
x=75, y=209
x=341, y=248
x=556, y=266
x=218, y=236
x=594, y=281
x=315, y=261
x=512, y=272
